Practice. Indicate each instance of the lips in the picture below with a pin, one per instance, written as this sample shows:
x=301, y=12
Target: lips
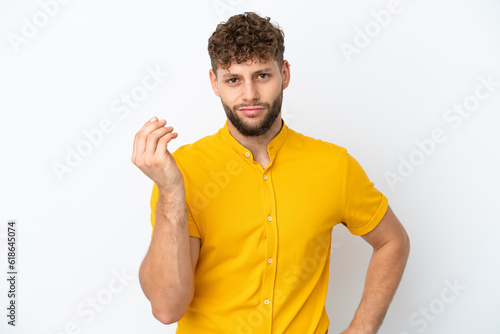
x=251, y=112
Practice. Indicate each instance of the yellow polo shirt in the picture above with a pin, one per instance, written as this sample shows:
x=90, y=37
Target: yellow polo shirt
x=266, y=234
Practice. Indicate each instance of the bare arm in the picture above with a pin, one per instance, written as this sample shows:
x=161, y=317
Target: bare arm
x=167, y=272
x=391, y=247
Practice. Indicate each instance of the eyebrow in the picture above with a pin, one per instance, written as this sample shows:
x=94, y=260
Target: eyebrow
x=232, y=75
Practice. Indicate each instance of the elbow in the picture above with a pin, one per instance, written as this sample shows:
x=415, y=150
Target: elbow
x=405, y=245
x=168, y=317
x=169, y=314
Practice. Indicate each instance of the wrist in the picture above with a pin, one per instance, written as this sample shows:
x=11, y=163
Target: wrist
x=361, y=329
x=168, y=191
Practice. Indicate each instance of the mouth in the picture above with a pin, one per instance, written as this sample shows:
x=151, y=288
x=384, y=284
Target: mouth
x=252, y=111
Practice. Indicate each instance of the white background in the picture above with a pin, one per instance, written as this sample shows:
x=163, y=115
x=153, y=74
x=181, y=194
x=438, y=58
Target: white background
x=76, y=233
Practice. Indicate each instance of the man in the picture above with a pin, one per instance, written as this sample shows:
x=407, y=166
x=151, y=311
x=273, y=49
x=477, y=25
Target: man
x=242, y=219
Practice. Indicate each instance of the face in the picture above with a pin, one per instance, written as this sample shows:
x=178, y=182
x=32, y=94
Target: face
x=251, y=94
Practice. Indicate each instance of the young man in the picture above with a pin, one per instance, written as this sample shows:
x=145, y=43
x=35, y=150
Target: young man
x=242, y=219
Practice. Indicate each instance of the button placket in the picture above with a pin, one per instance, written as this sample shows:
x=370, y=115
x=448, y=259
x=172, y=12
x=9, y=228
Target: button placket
x=272, y=244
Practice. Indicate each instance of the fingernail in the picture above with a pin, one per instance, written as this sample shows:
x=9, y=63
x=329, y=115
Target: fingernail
x=153, y=119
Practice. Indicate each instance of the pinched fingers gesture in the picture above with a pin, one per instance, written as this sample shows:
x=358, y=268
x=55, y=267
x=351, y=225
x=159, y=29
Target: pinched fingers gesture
x=152, y=157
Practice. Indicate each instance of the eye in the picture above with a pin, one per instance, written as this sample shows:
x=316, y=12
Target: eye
x=263, y=75
x=232, y=80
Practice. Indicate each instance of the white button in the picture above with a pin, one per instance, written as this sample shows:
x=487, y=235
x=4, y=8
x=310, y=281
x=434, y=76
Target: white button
x=265, y=177
x=247, y=154
x=269, y=218
x=270, y=260
x=266, y=301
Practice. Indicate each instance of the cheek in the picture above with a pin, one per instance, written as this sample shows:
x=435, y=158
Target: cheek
x=228, y=97
x=273, y=92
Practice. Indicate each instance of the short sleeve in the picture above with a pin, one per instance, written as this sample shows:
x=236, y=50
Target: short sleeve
x=193, y=228
x=364, y=205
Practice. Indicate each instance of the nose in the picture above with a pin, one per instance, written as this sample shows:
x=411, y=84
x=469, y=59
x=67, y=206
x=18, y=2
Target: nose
x=250, y=92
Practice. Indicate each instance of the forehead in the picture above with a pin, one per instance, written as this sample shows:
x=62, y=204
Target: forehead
x=249, y=67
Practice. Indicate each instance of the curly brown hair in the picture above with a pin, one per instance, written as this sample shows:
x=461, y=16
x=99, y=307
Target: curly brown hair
x=245, y=37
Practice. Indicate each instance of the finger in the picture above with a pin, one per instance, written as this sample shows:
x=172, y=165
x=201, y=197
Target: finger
x=141, y=136
x=138, y=146
x=152, y=140
x=163, y=143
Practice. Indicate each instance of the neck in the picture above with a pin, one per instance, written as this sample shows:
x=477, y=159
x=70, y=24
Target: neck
x=257, y=144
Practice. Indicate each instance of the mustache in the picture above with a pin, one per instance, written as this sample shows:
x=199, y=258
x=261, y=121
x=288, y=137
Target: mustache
x=256, y=104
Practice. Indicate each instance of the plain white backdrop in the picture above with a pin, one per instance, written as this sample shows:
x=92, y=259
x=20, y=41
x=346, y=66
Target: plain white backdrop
x=414, y=97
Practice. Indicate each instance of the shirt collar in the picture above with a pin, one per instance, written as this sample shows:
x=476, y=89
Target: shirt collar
x=272, y=148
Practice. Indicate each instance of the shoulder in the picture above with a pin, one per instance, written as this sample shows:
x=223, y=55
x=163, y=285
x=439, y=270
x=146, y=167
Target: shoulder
x=197, y=148
x=202, y=155
x=307, y=144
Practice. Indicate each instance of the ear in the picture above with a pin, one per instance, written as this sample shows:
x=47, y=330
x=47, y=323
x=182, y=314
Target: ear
x=213, y=81
x=285, y=73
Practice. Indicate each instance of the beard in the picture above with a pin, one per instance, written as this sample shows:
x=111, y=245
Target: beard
x=254, y=130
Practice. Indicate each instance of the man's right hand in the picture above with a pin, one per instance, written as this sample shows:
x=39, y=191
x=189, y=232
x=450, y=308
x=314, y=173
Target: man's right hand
x=153, y=158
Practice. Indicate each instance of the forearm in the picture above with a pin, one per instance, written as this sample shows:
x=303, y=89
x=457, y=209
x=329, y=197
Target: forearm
x=166, y=274
x=382, y=279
